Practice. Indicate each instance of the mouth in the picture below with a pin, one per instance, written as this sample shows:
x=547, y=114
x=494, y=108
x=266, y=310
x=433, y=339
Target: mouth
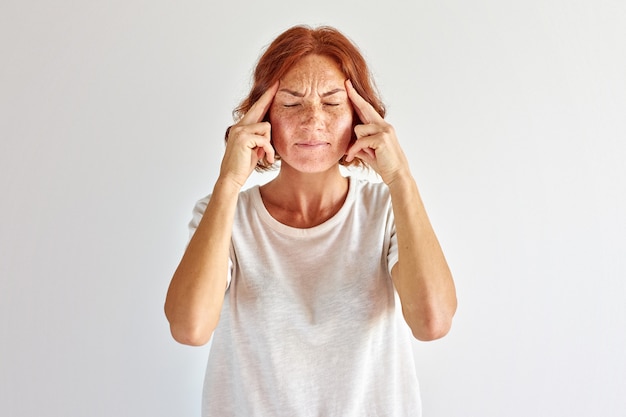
x=312, y=144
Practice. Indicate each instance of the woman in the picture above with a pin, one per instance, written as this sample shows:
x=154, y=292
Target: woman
x=306, y=284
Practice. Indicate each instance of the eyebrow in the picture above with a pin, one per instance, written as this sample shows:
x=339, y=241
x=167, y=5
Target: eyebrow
x=298, y=94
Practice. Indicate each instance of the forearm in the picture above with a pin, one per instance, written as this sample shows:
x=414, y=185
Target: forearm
x=422, y=276
x=196, y=293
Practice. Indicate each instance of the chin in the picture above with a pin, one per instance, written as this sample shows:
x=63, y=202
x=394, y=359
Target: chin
x=311, y=166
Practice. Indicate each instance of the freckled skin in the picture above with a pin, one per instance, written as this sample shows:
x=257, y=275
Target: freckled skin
x=311, y=115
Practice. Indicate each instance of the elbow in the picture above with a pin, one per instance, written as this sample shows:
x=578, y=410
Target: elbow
x=431, y=325
x=189, y=336
x=190, y=332
x=427, y=332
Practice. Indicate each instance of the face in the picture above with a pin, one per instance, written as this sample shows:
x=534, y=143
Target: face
x=311, y=115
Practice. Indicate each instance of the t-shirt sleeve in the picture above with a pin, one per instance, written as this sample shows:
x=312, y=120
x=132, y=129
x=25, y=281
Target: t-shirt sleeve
x=196, y=216
x=392, y=253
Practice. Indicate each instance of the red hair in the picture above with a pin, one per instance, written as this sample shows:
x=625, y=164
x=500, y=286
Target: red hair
x=298, y=42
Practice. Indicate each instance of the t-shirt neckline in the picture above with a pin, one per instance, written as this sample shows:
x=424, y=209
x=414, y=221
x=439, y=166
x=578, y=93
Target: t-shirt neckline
x=274, y=224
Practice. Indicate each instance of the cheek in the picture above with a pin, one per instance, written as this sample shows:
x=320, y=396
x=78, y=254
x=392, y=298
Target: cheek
x=343, y=124
x=278, y=121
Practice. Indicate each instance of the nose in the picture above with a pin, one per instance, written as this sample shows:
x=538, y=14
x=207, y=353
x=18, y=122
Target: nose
x=313, y=117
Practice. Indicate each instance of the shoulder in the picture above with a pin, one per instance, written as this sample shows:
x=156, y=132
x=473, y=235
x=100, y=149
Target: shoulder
x=371, y=199
x=370, y=192
x=246, y=198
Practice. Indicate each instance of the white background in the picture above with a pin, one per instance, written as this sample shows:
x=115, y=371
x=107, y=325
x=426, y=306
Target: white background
x=512, y=113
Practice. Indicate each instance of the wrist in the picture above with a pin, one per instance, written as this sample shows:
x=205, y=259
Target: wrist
x=226, y=185
x=402, y=181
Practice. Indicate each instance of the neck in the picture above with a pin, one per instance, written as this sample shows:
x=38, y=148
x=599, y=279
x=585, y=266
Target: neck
x=302, y=199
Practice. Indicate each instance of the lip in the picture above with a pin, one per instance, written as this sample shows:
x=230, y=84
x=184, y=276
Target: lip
x=312, y=144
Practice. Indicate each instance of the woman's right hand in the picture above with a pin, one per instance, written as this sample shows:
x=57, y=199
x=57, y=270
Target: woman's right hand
x=249, y=141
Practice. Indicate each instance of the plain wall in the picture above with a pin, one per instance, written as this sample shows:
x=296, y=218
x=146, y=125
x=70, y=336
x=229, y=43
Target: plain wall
x=512, y=113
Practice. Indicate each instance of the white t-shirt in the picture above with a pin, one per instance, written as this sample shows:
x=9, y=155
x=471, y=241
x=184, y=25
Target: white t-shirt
x=311, y=325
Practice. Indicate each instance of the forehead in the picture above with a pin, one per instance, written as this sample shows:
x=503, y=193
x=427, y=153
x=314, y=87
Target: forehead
x=314, y=68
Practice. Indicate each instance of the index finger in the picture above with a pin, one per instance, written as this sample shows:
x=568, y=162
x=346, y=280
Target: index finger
x=260, y=107
x=365, y=110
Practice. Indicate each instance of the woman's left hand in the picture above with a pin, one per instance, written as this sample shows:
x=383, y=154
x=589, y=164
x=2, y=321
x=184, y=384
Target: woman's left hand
x=376, y=143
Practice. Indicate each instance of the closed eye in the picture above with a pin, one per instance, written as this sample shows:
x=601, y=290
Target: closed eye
x=331, y=104
x=290, y=105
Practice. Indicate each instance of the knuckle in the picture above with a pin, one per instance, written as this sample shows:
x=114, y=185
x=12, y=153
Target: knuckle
x=236, y=129
x=387, y=128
